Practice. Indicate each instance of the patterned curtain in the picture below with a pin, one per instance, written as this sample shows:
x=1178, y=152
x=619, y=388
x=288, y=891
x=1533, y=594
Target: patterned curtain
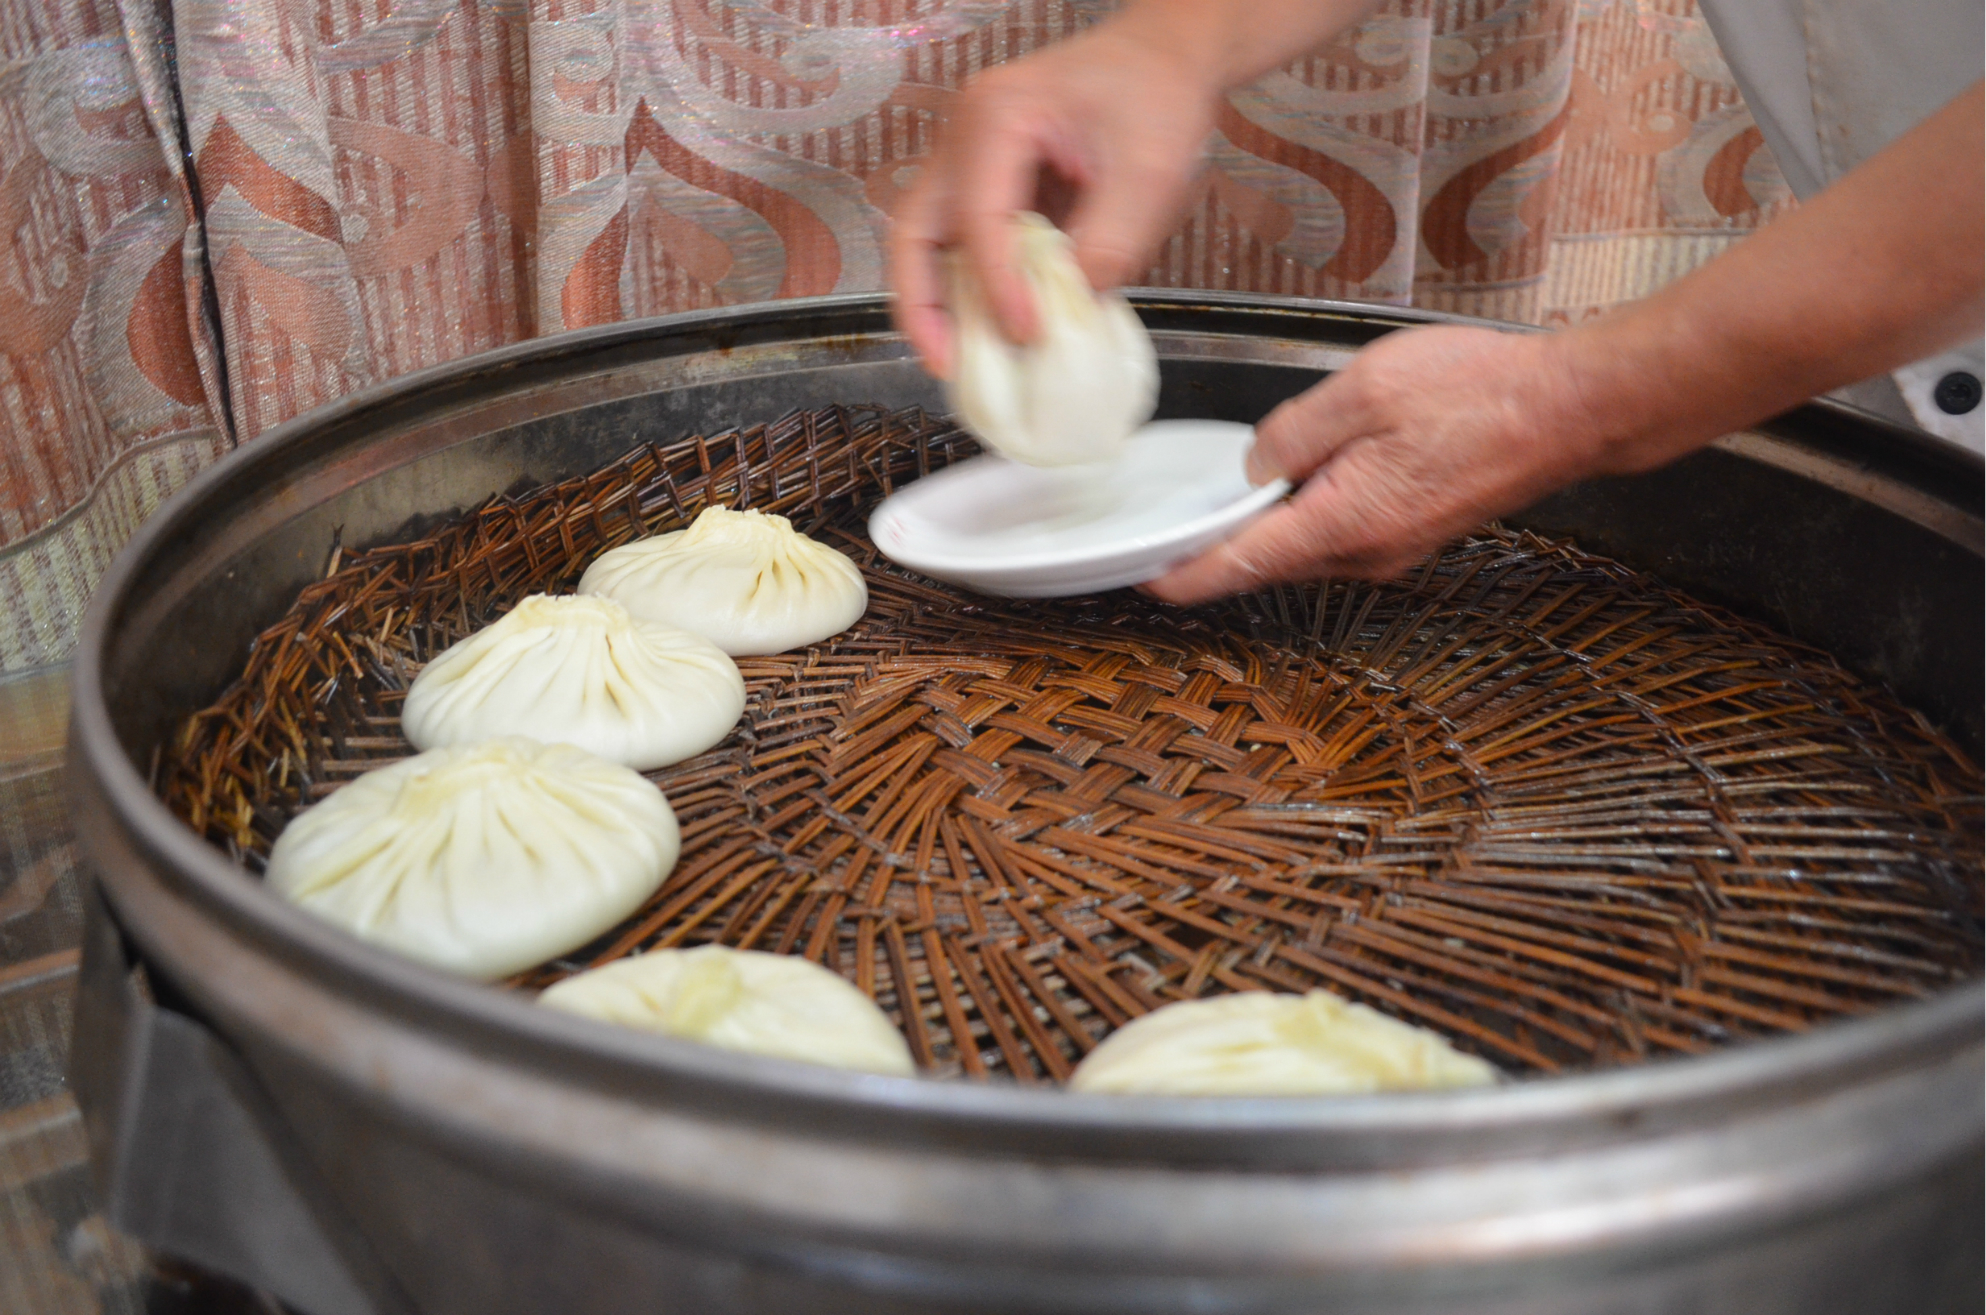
x=109, y=382
x=222, y=213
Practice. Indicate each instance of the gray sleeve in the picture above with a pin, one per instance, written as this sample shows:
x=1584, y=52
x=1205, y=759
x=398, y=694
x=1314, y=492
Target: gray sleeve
x=1765, y=43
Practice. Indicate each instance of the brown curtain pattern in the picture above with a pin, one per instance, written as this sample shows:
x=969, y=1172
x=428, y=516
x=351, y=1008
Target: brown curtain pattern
x=385, y=185
x=107, y=379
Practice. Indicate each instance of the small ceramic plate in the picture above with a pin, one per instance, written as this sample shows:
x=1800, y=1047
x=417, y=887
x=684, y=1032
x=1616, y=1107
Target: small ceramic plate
x=1000, y=527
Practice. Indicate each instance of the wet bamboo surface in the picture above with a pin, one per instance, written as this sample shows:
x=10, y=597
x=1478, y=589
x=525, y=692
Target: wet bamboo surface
x=1527, y=797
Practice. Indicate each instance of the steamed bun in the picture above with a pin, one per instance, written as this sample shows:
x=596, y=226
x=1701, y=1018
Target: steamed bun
x=1074, y=394
x=748, y=582
x=1257, y=1044
x=481, y=860
x=581, y=671
x=768, y=1004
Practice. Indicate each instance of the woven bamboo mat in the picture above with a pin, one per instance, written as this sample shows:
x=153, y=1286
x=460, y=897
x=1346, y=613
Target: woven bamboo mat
x=1527, y=797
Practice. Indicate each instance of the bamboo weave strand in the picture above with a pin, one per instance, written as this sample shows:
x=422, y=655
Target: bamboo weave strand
x=1528, y=797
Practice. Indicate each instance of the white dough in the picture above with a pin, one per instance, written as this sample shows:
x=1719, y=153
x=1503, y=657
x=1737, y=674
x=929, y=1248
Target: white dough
x=748, y=582
x=1256, y=1044
x=1073, y=395
x=768, y=1004
x=481, y=860
x=580, y=671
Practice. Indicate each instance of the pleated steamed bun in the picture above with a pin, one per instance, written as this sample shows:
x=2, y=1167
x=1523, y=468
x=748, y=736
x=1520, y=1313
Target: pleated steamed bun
x=1075, y=394
x=482, y=860
x=747, y=581
x=580, y=671
x=1256, y=1044
x=767, y=1004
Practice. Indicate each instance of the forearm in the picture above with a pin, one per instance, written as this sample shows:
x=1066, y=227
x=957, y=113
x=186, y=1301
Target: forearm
x=1221, y=44
x=1881, y=269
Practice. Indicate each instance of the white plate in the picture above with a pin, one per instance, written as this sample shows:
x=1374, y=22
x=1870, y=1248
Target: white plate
x=1000, y=527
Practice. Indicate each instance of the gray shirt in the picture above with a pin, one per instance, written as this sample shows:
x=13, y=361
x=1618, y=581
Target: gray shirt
x=1830, y=83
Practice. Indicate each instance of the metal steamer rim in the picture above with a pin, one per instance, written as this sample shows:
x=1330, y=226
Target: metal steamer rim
x=1528, y=797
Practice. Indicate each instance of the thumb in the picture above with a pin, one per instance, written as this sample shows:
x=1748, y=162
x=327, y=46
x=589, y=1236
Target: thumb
x=1297, y=438
x=1324, y=531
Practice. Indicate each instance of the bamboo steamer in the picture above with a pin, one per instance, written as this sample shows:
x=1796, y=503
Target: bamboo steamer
x=1538, y=799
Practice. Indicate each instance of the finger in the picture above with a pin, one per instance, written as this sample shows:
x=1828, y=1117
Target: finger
x=1111, y=248
x=1120, y=219
x=1209, y=576
x=916, y=275
x=999, y=184
x=1305, y=538
x=1300, y=436
x=1226, y=568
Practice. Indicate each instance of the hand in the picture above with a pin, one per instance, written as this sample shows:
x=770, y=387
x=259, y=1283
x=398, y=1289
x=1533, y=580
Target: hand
x=1425, y=436
x=1431, y=432
x=1117, y=121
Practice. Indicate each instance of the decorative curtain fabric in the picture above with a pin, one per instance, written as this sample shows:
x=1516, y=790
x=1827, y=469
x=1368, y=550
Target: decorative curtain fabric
x=222, y=213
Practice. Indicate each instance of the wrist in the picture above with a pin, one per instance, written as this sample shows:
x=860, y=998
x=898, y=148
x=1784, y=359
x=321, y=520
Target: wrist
x=1218, y=45
x=1624, y=396
x=1191, y=43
